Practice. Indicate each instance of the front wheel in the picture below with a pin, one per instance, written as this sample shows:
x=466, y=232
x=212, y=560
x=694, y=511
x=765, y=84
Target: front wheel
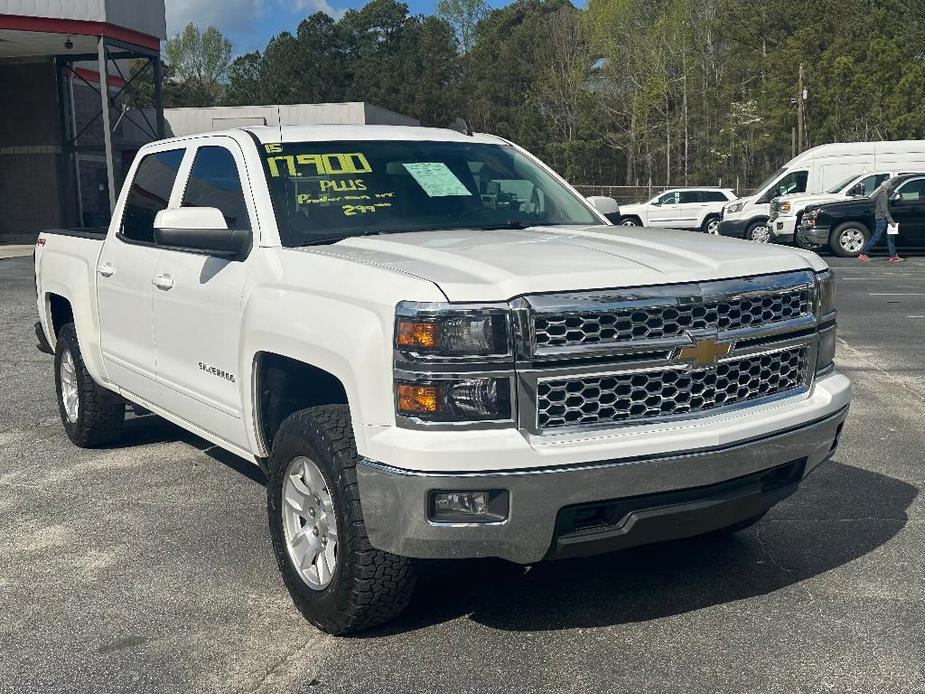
x=759, y=232
x=337, y=580
x=92, y=416
x=848, y=239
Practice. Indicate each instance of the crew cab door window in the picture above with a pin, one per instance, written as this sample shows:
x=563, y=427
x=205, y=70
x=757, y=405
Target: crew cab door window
x=908, y=208
x=214, y=182
x=149, y=194
x=913, y=191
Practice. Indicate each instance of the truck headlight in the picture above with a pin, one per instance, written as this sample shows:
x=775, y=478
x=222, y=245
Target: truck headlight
x=826, y=315
x=825, y=294
x=455, y=399
x=809, y=216
x=452, y=330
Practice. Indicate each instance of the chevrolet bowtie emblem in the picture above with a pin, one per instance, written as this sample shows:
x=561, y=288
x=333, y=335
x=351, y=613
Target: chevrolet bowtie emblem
x=705, y=351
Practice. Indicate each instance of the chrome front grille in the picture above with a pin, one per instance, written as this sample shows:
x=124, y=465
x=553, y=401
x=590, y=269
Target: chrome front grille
x=643, y=354
x=648, y=323
x=666, y=392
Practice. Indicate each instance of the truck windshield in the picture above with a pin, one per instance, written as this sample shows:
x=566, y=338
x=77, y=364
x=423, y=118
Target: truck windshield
x=326, y=191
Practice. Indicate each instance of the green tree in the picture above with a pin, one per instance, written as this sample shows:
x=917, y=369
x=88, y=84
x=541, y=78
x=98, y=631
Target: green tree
x=199, y=62
x=463, y=16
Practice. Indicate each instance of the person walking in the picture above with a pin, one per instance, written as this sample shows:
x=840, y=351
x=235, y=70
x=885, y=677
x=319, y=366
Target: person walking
x=882, y=218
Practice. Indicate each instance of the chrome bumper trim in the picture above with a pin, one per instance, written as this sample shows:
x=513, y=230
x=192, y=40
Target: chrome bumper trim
x=394, y=501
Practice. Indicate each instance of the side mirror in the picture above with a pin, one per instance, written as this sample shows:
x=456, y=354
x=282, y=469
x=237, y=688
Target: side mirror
x=606, y=206
x=895, y=197
x=200, y=230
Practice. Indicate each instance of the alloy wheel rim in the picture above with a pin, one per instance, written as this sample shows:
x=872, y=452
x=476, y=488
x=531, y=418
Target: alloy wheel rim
x=852, y=240
x=628, y=223
x=309, y=523
x=713, y=227
x=761, y=234
x=69, y=392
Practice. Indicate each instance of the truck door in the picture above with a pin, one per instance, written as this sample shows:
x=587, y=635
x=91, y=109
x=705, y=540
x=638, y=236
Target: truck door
x=908, y=209
x=125, y=271
x=198, y=304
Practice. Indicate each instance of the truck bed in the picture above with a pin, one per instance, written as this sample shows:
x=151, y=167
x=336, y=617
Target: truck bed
x=98, y=233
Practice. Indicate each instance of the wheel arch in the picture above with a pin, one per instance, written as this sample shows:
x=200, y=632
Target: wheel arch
x=282, y=385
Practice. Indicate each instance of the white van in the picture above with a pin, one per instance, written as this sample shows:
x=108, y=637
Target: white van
x=815, y=171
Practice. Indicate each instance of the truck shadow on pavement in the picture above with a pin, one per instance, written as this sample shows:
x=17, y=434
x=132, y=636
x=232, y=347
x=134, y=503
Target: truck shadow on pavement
x=840, y=514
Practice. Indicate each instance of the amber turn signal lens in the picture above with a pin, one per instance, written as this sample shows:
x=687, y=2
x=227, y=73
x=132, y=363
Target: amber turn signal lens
x=417, y=334
x=413, y=399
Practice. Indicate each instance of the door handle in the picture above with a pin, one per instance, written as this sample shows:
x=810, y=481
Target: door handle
x=106, y=270
x=164, y=282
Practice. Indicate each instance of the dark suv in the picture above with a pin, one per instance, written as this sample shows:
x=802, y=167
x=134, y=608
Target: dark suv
x=846, y=225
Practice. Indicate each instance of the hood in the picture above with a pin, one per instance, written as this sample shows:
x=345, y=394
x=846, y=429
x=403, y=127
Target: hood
x=847, y=205
x=477, y=265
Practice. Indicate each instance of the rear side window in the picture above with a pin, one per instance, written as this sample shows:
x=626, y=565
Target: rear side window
x=214, y=182
x=913, y=191
x=714, y=196
x=149, y=194
x=688, y=196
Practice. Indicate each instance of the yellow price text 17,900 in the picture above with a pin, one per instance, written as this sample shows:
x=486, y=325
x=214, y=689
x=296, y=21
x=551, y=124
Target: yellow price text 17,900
x=322, y=164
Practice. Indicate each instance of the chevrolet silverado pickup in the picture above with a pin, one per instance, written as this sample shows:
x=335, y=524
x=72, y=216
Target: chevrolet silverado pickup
x=435, y=348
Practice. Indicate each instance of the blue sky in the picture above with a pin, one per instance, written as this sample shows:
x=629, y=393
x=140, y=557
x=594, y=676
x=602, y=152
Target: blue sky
x=250, y=23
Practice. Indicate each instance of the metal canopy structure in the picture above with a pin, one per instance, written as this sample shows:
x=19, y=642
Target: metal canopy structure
x=82, y=81
x=110, y=57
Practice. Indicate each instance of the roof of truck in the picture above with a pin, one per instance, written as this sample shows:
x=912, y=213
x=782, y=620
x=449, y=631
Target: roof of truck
x=308, y=133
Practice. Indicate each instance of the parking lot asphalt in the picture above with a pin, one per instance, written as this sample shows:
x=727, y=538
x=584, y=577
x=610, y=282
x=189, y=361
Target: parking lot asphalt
x=147, y=567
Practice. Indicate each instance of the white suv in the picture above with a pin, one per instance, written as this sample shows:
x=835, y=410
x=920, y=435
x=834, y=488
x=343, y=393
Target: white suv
x=680, y=208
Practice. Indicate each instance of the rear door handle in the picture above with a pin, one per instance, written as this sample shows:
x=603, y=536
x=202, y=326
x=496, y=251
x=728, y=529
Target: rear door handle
x=106, y=270
x=164, y=282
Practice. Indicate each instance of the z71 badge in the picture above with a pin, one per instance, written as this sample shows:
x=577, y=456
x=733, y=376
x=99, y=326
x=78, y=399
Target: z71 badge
x=217, y=372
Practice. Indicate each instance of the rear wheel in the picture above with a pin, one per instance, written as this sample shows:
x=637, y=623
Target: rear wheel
x=630, y=222
x=711, y=225
x=848, y=239
x=759, y=232
x=92, y=415
x=337, y=580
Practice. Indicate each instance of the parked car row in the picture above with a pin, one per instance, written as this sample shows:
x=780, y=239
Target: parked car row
x=819, y=198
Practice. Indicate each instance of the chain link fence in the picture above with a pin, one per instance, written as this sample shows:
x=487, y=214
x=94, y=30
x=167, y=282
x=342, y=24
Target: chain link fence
x=625, y=195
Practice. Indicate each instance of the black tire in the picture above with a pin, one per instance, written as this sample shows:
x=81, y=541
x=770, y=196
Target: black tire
x=100, y=413
x=368, y=586
x=630, y=221
x=759, y=231
x=737, y=527
x=705, y=227
x=839, y=239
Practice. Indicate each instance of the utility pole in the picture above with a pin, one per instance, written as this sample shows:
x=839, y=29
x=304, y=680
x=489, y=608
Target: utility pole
x=801, y=95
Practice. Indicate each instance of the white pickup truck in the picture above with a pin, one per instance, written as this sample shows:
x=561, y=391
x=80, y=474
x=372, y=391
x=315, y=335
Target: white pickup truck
x=435, y=348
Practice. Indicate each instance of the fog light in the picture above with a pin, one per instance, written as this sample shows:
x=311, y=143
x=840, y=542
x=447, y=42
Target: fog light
x=483, y=506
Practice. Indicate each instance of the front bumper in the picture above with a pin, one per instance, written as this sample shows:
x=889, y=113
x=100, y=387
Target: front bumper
x=782, y=229
x=733, y=227
x=817, y=235
x=657, y=497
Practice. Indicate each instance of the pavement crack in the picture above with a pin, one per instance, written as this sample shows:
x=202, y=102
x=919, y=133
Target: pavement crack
x=282, y=662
